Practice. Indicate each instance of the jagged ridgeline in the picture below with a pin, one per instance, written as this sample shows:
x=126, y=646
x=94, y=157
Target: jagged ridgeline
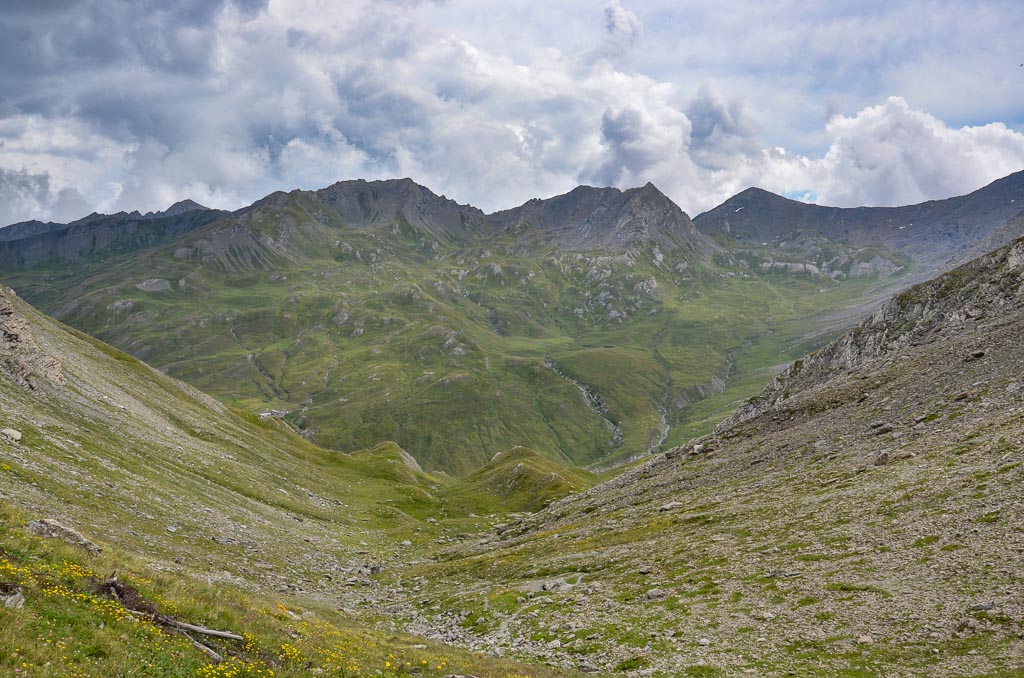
x=592, y=327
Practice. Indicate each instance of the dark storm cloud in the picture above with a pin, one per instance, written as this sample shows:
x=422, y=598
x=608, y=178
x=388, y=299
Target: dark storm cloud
x=23, y=192
x=626, y=136
x=722, y=129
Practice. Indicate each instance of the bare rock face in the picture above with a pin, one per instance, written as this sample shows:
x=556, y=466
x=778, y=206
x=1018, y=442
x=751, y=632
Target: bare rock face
x=21, y=358
x=409, y=461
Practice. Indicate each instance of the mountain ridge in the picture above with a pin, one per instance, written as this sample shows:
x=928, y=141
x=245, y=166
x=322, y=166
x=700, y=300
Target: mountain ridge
x=936, y=231
x=604, y=218
x=594, y=327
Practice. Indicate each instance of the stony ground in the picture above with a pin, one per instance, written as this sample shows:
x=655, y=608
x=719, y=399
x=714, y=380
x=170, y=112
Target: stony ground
x=870, y=524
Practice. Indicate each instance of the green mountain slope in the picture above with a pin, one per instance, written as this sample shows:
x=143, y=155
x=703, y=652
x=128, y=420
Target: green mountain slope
x=376, y=311
x=219, y=520
x=519, y=479
x=861, y=516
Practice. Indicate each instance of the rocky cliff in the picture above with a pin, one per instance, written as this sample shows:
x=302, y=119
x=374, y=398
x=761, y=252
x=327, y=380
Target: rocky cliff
x=989, y=286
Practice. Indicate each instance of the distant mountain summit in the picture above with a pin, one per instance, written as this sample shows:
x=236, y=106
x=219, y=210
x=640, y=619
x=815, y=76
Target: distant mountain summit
x=588, y=218
x=932, y=232
x=180, y=207
x=403, y=205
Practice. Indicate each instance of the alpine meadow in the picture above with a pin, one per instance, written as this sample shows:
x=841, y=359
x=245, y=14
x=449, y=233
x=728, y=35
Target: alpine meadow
x=717, y=370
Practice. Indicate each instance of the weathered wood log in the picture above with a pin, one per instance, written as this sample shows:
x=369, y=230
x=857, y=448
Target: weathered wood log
x=174, y=623
x=205, y=649
x=199, y=629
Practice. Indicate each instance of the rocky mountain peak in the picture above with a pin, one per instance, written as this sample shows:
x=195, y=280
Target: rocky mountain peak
x=402, y=203
x=589, y=218
x=934, y=233
x=179, y=207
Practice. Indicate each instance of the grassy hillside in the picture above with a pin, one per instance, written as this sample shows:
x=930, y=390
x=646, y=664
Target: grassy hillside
x=519, y=479
x=65, y=621
x=862, y=518
x=220, y=520
x=455, y=350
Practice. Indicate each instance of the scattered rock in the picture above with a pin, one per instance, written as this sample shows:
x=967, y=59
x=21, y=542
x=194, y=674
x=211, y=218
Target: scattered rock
x=983, y=607
x=154, y=285
x=11, y=434
x=11, y=595
x=655, y=594
x=672, y=505
x=865, y=640
x=555, y=586
x=974, y=355
x=52, y=529
x=704, y=642
x=883, y=427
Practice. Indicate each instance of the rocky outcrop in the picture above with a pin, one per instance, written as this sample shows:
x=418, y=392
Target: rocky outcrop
x=402, y=205
x=588, y=218
x=21, y=358
x=983, y=287
x=51, y=529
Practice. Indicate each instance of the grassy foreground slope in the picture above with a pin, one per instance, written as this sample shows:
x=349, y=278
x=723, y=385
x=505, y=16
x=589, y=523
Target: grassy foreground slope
x=63, y=621
x=861, y=517
x=218, y=520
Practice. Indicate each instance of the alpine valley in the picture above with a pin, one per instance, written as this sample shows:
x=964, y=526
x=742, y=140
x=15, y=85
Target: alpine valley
x=387, y=434
x=595, y=327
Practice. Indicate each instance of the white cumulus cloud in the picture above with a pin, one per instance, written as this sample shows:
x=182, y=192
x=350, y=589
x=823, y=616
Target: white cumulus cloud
x=126, y=107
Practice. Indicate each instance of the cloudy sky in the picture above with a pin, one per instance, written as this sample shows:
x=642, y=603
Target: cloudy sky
x=134, y=104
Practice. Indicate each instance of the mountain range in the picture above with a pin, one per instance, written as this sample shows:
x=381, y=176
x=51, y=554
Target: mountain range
x=594, y=327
